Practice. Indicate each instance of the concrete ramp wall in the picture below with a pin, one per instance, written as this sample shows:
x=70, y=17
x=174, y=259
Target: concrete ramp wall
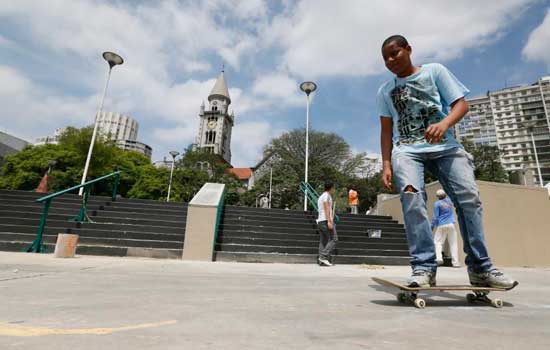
x=203, y=215
x=516, y=220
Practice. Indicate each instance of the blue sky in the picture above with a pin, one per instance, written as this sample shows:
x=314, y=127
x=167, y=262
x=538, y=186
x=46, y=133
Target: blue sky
x=52, y=72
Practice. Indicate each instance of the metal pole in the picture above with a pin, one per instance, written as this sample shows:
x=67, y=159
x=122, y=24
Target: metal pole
x=170, y=182
x=94, y=134
x=270, y=186
x=537, y=159
x=307, y=152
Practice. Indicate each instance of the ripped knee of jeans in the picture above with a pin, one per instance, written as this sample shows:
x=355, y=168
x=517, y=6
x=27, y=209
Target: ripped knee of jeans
x=410, y=189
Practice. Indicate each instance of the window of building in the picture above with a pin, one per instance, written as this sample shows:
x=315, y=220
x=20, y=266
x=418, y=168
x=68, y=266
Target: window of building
x=212, y=137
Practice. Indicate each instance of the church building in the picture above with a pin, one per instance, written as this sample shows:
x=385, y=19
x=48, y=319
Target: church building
x=216, y=122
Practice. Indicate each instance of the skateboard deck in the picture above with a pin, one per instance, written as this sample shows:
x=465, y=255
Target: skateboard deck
x=410, y=294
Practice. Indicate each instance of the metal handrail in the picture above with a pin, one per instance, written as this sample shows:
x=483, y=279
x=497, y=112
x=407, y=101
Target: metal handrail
x=37, y=245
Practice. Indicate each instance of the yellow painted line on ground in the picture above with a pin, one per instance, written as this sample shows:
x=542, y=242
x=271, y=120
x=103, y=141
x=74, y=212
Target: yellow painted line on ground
x=27, y=331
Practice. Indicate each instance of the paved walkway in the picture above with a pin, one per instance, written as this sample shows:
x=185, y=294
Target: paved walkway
x=127, y=303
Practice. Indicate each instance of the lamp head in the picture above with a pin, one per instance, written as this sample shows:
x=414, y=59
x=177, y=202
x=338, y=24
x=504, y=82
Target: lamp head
x=308, y=87
x=112, y=58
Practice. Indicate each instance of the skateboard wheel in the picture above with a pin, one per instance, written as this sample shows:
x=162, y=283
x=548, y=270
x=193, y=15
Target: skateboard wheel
x=471, y=297
x=402, y=298
x=497, y=303
x=420, y=303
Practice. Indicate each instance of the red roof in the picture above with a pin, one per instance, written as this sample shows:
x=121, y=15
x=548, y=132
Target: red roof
x=241, y=173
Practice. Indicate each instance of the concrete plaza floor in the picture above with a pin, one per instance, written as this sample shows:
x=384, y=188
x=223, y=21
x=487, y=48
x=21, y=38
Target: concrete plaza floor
x=129, y=303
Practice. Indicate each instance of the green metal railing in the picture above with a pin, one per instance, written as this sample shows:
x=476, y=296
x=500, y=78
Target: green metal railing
x=313, y=197
x=219, y=218
x=37, y=245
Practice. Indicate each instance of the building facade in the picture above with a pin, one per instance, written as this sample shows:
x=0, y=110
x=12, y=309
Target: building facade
x=216, y=122
x=50, y=140
x=10, y=144
x=506, y=114
x=478, y=126
x=136, y=146
x=116, y=126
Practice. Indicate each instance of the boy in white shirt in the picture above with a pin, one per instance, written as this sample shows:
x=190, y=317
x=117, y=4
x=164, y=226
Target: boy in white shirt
x=325, y=223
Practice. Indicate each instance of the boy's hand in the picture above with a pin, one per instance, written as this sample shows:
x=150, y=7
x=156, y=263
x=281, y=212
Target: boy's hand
x=436, y=132
x=330, y=225
x=387, y=178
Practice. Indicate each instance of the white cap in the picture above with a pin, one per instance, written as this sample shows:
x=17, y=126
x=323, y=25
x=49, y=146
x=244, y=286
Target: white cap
x=440, y=193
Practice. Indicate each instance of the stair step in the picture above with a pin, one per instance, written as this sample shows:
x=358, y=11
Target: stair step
x=307, y=258
x=305, y=250
x=395, y=232
x=371, y=243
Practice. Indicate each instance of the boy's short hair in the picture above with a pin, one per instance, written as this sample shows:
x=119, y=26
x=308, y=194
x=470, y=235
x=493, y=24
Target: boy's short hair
x=400, y=40
x=329, y=186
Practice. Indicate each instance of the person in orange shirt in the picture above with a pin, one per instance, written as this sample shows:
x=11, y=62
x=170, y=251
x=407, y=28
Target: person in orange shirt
x=353, y=198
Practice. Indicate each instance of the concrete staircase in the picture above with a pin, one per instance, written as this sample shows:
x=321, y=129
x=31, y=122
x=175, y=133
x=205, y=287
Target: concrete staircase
x=127, y=227
x=130, y=227
x=273, y=235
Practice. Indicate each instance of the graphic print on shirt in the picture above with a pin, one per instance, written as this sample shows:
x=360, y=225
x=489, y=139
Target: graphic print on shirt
x=415, y=112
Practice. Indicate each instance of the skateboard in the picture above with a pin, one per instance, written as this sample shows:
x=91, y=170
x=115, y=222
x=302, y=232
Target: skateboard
x=410, y=294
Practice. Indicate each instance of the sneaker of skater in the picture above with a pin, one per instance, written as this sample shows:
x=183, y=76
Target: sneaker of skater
x=325, y=224
x=418, y=109
x=443, y=222
x=353, y=200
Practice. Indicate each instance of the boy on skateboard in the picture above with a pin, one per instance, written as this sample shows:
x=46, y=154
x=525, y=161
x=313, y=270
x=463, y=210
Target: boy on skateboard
x=418, y=109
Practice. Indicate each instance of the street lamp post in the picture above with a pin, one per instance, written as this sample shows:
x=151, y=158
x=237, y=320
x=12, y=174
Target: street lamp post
x=113, y=60
x=308, y=87
x=530, y=125
x=51, y=164
x=174, y=154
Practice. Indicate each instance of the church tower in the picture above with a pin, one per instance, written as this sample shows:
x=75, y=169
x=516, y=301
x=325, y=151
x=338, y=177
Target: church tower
x=216, y=123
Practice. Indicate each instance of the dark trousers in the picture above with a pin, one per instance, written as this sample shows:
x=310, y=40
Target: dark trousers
x=327, y=240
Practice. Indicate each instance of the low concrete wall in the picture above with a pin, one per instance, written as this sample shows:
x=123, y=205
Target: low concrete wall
x=202, y=216
x=516, y=221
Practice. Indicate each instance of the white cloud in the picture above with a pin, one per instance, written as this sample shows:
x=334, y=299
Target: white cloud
x=248, y=140
x=31, y=110
x=166, y=43
x=537, y=47
x=5, y=41
x=278, y=87
x=327, y=38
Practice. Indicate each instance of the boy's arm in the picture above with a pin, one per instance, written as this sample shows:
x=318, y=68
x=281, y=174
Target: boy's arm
x=436, y=132
x=386, y=135
x=328, y=213
x=452, y=92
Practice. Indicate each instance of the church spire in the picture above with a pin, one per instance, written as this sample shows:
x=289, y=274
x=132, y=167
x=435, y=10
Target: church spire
x=220, y=89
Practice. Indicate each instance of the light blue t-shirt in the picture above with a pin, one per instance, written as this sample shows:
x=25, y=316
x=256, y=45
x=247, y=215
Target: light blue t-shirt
x=443, y=213
x=417, y=101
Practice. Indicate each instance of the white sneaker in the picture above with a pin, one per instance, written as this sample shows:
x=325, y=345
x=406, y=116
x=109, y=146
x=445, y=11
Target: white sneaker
x=324, y=262
x=422, y=279
x=493, y=278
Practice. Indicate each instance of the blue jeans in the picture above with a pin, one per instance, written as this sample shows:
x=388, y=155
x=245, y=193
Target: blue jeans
x=455, y=170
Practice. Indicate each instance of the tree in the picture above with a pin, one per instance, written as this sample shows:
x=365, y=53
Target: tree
x=487, y=163
x=330, y=159
x=23, y=170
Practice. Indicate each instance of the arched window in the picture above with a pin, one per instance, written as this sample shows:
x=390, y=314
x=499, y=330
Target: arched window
x=210, y=137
